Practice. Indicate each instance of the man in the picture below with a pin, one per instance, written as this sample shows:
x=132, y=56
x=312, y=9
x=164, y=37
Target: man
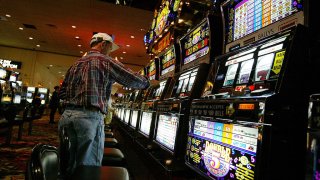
x=54, y=104
x=86, y=90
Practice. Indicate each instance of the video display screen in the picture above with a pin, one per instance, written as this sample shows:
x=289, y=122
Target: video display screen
x=152, y=70
x=6, y=98
x=167, y=130
x=168, y=60
x=247, y=16
x=122, y=114
x=195, y=44
x=41, y=96
x=185, y=82
x=31, y=89
x=145, y=123
x=160, y=89
x=134, y=118
x=127, y=116
x=222, y=150
x=29, y=95
x=17, y=99
x=43, y=90
x=14, y=85
x=3, y=73
x=13, y=78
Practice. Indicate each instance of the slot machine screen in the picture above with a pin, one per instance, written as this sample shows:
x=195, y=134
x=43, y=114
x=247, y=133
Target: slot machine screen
x=134, y=119
x=263, y=67
x=43, y=90
x=14, y=85
x=167, y=130
x=29, y=95
x=247, y=16
x=159, y=91
x=41, y=96
x=3, y=73
x=186, y=81
x=31, y=89
x=167, y=61
x=13, y=78
x=17, y=99
x=245, y=71
x=231, y=75
x=145, y=123
x=195, y=44
x=122, y=114
x=152, y=69
x=219, y=150
x=127, y=116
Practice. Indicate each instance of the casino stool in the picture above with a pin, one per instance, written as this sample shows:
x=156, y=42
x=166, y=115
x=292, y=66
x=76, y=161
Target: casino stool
x=113, y=157
x=103, y=172
x=108, y=134
x=43, y=163
x=111, y=143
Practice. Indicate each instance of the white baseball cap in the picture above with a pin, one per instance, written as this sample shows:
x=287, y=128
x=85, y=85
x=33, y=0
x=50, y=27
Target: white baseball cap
x=104, y=37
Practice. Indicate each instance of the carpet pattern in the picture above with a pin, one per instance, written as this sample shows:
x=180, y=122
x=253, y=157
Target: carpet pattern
x=14, y=157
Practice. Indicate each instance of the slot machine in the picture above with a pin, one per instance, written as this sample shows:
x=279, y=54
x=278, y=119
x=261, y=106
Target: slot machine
x=43, y=92
x=30, y=94
x=168, y=66
x=197, y=51
x=143, y=131
x=313, y=136
x=253, y=123
x=5, y=90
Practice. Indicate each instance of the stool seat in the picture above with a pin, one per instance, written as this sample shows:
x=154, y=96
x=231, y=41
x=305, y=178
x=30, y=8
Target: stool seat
x=113, y=157
x=111, y=143
x=99, y=173
x=108, y=134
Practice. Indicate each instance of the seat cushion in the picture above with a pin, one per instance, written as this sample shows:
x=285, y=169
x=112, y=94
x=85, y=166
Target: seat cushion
x=108, y=134
x=113, y=157
x=114, y=173
x=111, y=143
x=97, y=173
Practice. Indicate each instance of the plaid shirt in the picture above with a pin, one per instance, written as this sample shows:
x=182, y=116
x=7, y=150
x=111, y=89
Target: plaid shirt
x=88, y=82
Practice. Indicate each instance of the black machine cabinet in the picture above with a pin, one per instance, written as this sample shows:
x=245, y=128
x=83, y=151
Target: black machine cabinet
x=313, y=137
x=253, y=125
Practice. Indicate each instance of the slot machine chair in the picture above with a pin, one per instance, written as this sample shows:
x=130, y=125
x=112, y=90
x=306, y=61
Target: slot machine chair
x=43, y=163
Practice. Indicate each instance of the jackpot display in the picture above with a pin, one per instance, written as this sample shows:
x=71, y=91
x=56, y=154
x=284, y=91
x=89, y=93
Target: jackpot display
x=167, y=130
x=247, y=16
x=167, y=61
x=195, y=44
x=145, y=123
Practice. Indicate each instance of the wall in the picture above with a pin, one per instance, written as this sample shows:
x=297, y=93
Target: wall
x=35, y=65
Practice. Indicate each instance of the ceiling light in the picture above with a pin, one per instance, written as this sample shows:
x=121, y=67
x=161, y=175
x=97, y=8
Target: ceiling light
x=77, y=37
x=74, y=27
x=128, y=45
x=63, y=75
x=146, y=47
x=124, y=52
x=132, y=37
x=38, y=45
x=142, y=29
x=21, y=28
x=81, y=52
x=79, y=45
x=121, y=57
x=30, y=38
x=8, y=15
x=116, y=58
x=50, y=65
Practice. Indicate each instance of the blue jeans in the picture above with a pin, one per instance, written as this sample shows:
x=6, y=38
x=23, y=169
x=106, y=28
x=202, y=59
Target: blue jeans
x=86, y=134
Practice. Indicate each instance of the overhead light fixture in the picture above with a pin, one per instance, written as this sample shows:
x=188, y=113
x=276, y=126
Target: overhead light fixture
x=132, y=37
x=116, y=58
x=59, y=72
x=124, y=52
x=50, y=65
x=8, y=15
x=21, y=28
x=79, y=45
x=77, y=37
x=38, y=45
x=121, y=57
x=30, y=38
x=128, y=45
x=74, y=27
x=81, y=52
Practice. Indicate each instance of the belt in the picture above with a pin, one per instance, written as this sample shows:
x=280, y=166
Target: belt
x=90, y=108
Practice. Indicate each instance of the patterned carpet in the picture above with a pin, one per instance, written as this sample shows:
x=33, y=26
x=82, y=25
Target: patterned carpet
x=13, y=158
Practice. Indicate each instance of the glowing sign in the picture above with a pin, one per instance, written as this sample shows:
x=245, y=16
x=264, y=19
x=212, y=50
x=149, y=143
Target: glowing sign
x=246, y=106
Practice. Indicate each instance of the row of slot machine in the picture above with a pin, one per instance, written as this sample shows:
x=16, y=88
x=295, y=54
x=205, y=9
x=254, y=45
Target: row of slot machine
x=12, y=91
x=233, y=97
